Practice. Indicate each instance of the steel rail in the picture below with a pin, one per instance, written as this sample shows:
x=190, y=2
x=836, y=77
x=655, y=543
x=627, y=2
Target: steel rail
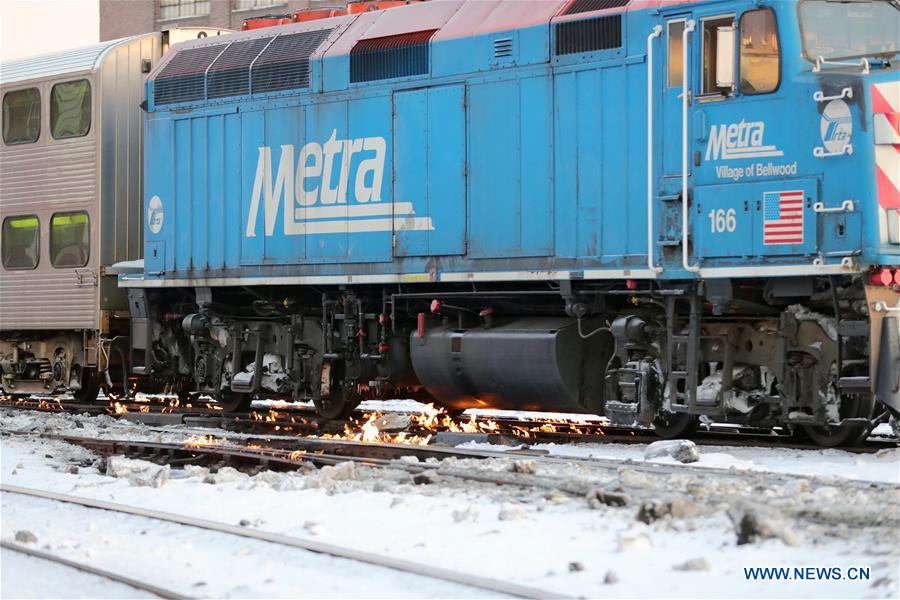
x=524, y=430
x=397, y=564
x=324, y=452
x=85, y=568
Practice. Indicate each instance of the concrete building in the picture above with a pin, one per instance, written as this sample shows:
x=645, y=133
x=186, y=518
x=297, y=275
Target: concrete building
x=120, y=18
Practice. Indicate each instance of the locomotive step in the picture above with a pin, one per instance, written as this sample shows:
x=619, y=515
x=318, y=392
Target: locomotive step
x=855, y=384
x=853, y=328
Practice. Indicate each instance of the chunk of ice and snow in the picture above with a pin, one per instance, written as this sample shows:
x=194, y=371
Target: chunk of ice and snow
x=137, y=472
x=684, y=451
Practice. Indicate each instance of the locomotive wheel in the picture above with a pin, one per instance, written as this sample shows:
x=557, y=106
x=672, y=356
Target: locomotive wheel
x=340, y=402
x=90, y=387
x=231, y=401
x=831, y=436
x=675, y=425
x=334, y=398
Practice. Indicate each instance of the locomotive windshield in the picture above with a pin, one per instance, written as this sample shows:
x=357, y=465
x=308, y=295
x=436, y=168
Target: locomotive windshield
x=840, y=29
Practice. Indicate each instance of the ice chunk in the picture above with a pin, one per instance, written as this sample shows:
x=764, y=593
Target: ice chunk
x=137, y=472
x=684, y=451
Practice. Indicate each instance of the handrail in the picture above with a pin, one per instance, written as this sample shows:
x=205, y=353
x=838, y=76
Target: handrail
x=208, y=67
x=685, y=99
x=819, y=95
x=863, y=62
x=657, y=31
x=253, y=62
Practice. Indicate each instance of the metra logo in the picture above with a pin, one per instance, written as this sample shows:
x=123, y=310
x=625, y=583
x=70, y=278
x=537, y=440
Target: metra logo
x=311, y=201
x=739, y=140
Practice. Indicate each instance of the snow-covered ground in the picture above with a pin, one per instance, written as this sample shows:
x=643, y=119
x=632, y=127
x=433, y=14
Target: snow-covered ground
x=561, y=543
x=882, y=466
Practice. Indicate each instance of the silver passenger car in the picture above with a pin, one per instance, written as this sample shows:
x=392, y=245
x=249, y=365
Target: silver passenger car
x=70, y=207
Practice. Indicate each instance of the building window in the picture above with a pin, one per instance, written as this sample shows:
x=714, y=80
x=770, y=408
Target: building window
x=21, y=242
x=760, y=54
x=256, y=4
x=70, y=109
x=70, y=239
x=177, y=9
x=22, y=116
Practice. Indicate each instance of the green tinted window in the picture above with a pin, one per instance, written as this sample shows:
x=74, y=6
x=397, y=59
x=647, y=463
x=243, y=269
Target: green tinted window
x=20, y=242
x=22, y=116
x=70, y=109
x=70, y=239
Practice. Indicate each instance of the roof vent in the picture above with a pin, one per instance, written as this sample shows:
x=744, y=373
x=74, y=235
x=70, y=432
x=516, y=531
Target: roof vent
x=392, y=56
x=184, y=77
x=589, y=35
x=229, y=74
x=582, y=6
x=503, y=47
x=284, y=64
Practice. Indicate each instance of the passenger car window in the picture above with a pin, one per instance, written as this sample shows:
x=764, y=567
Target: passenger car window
x=708, y=84
x=760, y=54
x=676, y=56
x=22, y=116
x=70, y=239
x=70, y=109
x=21, y=242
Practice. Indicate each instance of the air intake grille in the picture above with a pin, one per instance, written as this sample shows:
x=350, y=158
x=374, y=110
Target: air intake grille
x=582, y=6
x=601, y=33
x=285, y=63
x=503, y=47
x=229, y=75
x=183, y=77
x=390, y=57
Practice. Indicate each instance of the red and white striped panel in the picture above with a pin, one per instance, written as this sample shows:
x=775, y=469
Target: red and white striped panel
x=886, y=125
x=886, y=112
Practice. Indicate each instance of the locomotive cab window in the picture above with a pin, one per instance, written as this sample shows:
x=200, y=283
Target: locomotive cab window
x=22, y=116
x=675, y=54
x=718, y=57
x=70, y=109
x=70, y=239
x=21, y=242
x=760, y=53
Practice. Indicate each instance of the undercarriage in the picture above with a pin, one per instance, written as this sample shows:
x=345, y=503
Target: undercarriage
x=790, y=353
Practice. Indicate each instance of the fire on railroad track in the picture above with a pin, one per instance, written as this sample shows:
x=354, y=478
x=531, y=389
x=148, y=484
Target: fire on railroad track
x=418, y=426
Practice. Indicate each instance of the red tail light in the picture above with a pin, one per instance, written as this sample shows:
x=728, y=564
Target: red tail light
x=885, y=276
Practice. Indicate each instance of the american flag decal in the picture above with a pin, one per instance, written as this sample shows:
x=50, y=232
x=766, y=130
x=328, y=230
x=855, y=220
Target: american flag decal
x=783, y=217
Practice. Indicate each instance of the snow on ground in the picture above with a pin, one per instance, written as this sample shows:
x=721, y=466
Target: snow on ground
x=882, y=466
x=26, y=577
x=545, y=539
x=487, y=532
x=193, y=561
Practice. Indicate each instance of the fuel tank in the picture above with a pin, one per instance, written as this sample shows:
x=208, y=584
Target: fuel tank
x=539, y=363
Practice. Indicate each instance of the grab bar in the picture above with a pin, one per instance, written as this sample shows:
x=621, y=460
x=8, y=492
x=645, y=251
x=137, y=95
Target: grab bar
x=685, y=99
x=657, y=31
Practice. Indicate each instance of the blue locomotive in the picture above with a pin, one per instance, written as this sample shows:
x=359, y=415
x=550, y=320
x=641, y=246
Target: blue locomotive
x=656, y=211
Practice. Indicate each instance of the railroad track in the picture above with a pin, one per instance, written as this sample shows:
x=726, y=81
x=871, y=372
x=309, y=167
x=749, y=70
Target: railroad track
x=501, y=430
x=478, y=582
x=288, y=453
x=612, y=482
x=93, y=570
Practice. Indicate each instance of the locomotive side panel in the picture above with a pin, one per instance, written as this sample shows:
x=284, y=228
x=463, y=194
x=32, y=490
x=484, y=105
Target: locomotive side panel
x=429, y=171
x=510, y=165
